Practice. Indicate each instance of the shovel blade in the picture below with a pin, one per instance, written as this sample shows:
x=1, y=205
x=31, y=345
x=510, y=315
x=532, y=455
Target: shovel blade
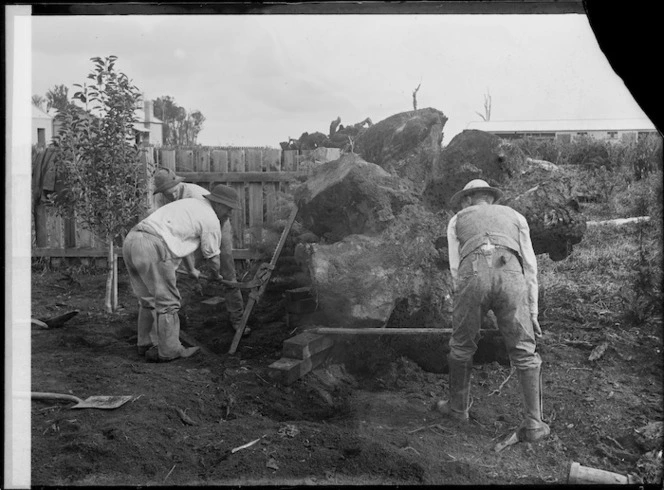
x=103, y=402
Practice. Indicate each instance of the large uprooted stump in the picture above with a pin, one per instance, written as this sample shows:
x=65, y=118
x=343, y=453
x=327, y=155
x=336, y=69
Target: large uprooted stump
x=379, y=250
x=360, y=198
x=541, y=193
x=405, y=144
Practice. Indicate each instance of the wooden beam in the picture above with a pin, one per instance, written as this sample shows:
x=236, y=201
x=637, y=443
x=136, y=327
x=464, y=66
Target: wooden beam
x=241, y=176
x=305, y=345
x=238, y=253
x=69, y=252
x=382, y=331
x=287, y=370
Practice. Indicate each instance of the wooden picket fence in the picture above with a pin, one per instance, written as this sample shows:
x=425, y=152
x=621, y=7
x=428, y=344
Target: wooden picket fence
x=259, y=175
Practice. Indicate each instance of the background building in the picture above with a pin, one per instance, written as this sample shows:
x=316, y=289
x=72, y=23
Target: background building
x=42, y=127
x=566, y=130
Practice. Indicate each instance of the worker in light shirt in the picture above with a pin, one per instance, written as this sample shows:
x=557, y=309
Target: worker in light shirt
x=169, y=187
x=152, y=252
x=493, y=267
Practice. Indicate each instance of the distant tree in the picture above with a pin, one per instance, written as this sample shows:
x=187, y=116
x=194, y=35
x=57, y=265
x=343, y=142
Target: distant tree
x=487, y=107
x=38, y=101
x=98, y=159
x=57, y=98
x=415, y=96
x=180, y=127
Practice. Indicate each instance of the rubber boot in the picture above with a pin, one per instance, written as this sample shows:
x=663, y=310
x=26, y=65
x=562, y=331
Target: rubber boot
x=147, y=334
x=532, y=428
x=170, y=347
x=458, y=405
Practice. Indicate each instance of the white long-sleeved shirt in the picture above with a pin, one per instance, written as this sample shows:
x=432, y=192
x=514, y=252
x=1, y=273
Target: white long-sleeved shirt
x=526, y=251
x=187, y=225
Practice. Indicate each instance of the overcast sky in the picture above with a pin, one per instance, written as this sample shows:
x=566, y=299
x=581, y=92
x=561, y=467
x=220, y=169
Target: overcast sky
x=259, y=79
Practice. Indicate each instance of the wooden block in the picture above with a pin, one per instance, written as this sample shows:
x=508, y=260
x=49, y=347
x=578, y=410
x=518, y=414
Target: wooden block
x=306, y=345
x=302, y=306
x=298, y=293
x=287, y=371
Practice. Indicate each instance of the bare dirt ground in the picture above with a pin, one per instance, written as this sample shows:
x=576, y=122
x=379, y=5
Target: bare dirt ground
x=364, y=423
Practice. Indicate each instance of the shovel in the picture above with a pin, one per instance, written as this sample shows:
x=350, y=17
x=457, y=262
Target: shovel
x=103, y=402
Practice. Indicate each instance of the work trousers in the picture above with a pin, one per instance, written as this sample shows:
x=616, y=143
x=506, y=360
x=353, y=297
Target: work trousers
x=151, y=270
x=493, y=280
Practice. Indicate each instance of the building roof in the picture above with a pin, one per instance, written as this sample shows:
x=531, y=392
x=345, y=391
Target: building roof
x=636, y=124
x=40, y=114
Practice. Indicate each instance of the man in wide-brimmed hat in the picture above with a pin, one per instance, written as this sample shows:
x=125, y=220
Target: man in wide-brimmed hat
x=169, y=187
x=493, y=267
x=152, y=252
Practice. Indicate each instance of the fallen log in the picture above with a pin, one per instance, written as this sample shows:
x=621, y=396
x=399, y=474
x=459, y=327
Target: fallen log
x=619, y=221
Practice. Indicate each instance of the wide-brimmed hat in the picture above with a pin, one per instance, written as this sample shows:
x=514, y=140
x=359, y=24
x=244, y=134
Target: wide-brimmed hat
x=164, y=179
x=475, y=186
x=224, y=195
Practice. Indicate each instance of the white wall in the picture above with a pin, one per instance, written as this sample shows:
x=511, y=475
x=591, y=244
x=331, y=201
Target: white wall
x=45, y=123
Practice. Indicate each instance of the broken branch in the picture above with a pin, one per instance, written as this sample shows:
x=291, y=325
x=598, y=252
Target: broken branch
x=245, y=446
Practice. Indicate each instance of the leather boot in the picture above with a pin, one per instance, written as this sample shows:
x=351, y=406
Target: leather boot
x=532, y=428
x=457, y=406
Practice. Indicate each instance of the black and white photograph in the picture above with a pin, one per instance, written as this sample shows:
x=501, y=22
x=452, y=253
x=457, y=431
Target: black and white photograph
x=294, y=244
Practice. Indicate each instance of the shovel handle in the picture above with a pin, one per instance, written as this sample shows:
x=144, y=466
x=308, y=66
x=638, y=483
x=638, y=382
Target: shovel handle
x=55, y=396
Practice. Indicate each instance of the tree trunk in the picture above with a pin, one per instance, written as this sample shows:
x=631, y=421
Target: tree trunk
x=108, y=300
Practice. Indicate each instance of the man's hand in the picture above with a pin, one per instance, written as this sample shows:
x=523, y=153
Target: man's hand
x=195, y=274
x=536, y=326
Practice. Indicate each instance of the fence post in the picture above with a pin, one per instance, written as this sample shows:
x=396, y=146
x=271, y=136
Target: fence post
x=168, y=159
x=239, y=220
x=255, y=164
x=272, y=163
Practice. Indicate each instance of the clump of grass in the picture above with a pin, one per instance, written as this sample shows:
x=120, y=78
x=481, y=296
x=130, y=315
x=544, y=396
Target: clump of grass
x=602, y=281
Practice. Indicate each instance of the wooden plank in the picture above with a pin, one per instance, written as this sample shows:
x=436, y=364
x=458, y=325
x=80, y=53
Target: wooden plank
x=70, y=232
x=69, y=252
x=54, y=228
x=289, y=160
x=184, y=161
x=305, y=345
x=84, y=237
x=218, y=165
x=239, y=217
x=240, y=177
x=238, y=254
x=254, y=163
x=287, y=371
x=272, y=163
x=168, y=159
x=386, y=331
x=41, y=233
x=202, y=160
x=289, y=164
